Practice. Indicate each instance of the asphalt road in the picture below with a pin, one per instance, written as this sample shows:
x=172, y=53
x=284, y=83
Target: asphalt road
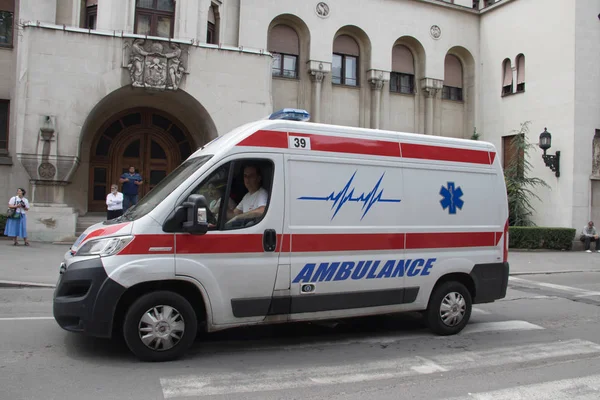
x=541, y=342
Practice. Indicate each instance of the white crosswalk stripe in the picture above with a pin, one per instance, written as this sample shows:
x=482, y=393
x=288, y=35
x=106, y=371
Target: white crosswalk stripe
x=577, y=292
x=222, y=383
x=584, y=388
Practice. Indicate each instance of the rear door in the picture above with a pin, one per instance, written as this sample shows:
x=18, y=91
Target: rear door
x=237, y=262
x=347, y=246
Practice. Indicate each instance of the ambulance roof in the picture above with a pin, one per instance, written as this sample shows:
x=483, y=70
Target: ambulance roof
x=275, y=133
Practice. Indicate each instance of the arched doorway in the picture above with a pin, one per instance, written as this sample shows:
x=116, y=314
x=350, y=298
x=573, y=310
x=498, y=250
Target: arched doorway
x=148, y=139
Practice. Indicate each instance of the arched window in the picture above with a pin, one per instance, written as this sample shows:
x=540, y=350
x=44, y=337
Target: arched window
x=520, y=73
x=212, y=29
x=507, y=77
x=345, y=61
x=402, y=78
x=155, y=17
x=452, y=79
x=285, y=47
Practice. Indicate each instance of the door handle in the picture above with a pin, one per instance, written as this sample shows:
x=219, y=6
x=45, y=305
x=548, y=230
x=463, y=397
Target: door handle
x=269, y=240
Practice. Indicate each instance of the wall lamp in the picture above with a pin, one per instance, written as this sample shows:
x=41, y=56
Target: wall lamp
x=551, y=161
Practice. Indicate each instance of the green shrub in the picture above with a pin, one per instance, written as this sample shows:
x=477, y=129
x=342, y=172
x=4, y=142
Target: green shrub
x=2, y=224
x=526, y=237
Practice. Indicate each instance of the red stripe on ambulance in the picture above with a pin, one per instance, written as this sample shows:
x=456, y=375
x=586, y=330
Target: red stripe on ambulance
x=109, y=230
x=303, y=243
x=385, y=148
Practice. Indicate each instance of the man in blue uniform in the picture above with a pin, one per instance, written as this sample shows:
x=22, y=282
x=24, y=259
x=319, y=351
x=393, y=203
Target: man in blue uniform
x=131, y=181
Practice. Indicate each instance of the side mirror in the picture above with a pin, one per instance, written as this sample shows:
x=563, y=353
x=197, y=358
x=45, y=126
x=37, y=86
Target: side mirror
x=196, y=221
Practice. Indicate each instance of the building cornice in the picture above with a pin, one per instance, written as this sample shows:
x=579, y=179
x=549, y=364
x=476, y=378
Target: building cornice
x=440, y=3
x=125, y=35
x=469, y=10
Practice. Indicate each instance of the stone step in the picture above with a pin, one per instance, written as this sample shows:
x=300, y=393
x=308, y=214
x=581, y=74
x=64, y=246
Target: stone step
x=87, y=220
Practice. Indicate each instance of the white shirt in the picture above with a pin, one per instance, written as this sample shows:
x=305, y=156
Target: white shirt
x=15, y=200
x=253, y=201
x=216, y=203
x=114, y=202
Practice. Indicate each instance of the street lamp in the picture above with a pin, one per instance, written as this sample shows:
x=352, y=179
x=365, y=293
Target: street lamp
x=551, y=161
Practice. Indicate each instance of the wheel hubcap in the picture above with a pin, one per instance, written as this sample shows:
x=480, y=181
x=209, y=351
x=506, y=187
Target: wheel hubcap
x=453, y=309
x=161, y=328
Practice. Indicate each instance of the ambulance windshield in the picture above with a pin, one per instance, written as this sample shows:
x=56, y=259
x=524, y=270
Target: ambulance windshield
x=163, y=189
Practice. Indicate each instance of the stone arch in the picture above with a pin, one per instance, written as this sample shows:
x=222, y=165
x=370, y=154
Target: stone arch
x=291, y=92
x=364, y=46
x=165, y=109
x=418, y=52
x=507, y=77
x=357, y=105
x=467, y=61
x=406, y=113
x=298, y=25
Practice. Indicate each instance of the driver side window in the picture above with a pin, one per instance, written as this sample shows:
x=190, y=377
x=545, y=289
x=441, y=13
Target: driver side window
x=213, y=189
x=247, y=184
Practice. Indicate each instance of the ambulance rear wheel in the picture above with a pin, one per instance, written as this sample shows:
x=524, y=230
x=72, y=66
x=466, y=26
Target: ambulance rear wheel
x=160, y=326
x=449, y=308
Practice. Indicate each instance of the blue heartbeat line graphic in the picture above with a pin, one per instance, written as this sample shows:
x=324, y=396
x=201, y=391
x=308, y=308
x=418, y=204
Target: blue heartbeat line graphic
x=347, y=194
x=451, y=198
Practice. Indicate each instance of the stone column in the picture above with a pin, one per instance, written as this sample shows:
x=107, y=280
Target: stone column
x=376, y=87
x=430, y=88
x=377, y=80
x=318, y=70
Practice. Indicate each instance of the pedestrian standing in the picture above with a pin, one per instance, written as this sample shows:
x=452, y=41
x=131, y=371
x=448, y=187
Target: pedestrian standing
x=131, y=181
x=114, y=203
x=16, y=222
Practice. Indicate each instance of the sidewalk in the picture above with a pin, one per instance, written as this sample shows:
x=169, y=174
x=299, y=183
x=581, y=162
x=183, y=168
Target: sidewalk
x=39, y=262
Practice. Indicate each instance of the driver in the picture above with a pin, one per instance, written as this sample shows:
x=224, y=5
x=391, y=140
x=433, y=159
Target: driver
x=254, y=202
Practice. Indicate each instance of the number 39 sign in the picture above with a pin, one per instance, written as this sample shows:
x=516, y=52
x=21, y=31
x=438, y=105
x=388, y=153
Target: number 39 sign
x=299, y=142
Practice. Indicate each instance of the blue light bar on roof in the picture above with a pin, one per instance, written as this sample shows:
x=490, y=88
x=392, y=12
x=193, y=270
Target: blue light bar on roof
x=292, y=114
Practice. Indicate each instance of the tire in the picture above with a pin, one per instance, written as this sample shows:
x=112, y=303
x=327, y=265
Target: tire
x=168, y=339
x=449, y=325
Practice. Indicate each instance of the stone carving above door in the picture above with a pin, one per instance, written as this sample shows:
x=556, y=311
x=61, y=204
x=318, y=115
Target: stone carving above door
x=154, y=64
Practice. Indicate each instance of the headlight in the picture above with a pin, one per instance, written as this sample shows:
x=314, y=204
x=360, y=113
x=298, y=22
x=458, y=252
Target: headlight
x=104, y=247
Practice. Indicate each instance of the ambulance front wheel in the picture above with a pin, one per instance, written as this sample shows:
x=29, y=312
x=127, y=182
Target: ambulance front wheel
x=160, y=326
x=449, y=308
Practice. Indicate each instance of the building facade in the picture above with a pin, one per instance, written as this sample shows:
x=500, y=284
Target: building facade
x=90, y=87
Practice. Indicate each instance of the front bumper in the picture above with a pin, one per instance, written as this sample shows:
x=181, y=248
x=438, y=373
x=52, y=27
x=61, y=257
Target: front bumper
x=85, y=298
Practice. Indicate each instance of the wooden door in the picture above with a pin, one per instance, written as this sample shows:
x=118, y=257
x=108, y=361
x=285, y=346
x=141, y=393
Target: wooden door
x=150, y=140
x=150, y=154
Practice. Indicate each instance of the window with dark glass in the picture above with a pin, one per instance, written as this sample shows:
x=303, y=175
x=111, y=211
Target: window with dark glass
x=91, y=13
x=507, y=79
x=344, y=68
x=211, y=30
x=228, y=181
x=402, y=77
x=453, y=80
x=4, y=107
x=285, y=47
x=155, y=17
x=520, y=73
x=7, y=8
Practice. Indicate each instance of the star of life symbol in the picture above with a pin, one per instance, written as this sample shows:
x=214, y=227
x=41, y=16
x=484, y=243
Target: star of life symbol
x=346, y=194
x=451, y=198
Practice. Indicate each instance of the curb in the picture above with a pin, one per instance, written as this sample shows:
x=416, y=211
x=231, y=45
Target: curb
x=18, y=284
x=567, y=271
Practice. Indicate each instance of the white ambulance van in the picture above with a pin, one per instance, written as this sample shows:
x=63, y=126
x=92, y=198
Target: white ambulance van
x=284, y=220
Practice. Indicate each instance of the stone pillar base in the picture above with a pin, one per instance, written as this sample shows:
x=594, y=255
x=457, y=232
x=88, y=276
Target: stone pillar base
x=51, y=223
